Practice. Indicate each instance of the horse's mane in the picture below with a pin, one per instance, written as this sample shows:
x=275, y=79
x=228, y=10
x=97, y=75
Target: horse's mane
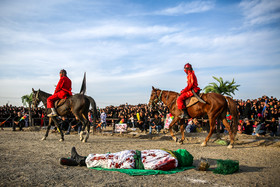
x=44, y=94
x=172, y=92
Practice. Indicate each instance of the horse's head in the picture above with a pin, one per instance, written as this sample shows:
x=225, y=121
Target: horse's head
x=35, y=98
x=155, y=96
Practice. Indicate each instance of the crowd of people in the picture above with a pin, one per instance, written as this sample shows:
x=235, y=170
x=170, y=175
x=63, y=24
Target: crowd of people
x=259, y=116
x=256, y=117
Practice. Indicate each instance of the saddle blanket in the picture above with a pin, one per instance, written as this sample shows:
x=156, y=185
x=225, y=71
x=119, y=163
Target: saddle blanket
x=192, y=100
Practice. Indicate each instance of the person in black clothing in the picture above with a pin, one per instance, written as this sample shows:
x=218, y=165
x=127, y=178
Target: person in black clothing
x=64, y=123
x=272, y=127
x=74, y=124
x=248, y=127
x=18, y=122
x=142, y=123
x=156, y=123
x=247, y=109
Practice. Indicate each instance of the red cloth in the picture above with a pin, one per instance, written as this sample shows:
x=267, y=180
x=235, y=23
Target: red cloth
x=185, y=93
x=62, y=90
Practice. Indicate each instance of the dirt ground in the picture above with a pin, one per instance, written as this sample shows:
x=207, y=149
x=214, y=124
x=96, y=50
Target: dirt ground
x=25, y=160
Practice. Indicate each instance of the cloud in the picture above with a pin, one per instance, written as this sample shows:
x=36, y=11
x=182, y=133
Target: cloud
x=187, y=8
x=10, y=36
x=115, y=29
x=260, y=11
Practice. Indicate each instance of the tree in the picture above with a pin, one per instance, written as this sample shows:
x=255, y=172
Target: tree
x=27, y=101
x=224, y=88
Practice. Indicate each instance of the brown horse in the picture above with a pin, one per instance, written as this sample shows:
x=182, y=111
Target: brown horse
x=216, y=107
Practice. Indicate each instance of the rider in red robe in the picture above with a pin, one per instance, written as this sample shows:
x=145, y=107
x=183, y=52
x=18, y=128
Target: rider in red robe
x=62, y=90
x=185, y=93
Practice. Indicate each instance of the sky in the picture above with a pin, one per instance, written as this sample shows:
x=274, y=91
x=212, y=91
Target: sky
x=127, y=46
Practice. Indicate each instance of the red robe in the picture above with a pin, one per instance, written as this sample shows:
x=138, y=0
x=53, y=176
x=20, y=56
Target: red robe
x=62, y=90
x=185, y=93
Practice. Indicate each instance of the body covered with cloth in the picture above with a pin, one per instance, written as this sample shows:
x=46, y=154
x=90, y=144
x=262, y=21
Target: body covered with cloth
x=152, y=159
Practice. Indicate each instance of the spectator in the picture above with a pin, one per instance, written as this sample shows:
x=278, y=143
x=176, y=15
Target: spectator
x=103, y=119
x=198, y=125
x=90, y=117
x=64, y=123
x=156, y=124
x=190, y=127
x=272, y=127
x=248, y=127
x=18, y=121
x=241, y=127
x=260, y=129
x=142, y=122
x=74, y=124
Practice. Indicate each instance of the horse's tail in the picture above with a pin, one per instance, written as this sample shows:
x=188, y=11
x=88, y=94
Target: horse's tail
x=94, y=109
x=232, y=106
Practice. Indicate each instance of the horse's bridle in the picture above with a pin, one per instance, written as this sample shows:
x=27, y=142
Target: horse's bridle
x=36, y=98
x=158, y=98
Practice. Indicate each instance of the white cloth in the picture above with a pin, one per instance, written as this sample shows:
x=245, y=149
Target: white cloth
x=152, y=160
x=156, y=159
x=122, y=160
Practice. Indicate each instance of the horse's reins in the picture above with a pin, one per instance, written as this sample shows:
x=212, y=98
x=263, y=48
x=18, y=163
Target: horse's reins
x=36, y=98
x=158, y=99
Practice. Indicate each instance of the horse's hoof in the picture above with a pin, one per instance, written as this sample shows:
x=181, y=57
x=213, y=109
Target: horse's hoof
x=84, y=141
x=180, y=141
x=44, y=138
x=175, y=139
x=61, y=140
x=230, y=146
x=203, y=144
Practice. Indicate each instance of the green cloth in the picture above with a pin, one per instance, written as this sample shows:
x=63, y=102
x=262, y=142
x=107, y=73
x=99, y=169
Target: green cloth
x=138, y=160
x=134, y=172
x=226, y=167
x=221, y=142
x=184, y=158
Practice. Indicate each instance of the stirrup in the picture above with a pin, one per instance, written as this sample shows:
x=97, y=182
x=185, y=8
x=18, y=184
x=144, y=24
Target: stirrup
x=184, y=114
x=52, y=115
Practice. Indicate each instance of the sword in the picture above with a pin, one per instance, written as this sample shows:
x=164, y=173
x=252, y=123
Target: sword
x=199, y=99
x=5, y=120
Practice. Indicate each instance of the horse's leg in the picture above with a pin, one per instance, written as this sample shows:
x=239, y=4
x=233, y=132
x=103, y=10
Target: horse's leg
x=231, y=135
x=59, y=129
x=212, y=127
x=48, y=129
x=218, y=130
x=86, y=124
x=170, y=128
x=181, y=141
x=87, y=132
x=80, y=118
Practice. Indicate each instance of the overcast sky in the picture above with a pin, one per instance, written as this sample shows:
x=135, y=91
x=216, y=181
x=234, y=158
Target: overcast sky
x=128, y=46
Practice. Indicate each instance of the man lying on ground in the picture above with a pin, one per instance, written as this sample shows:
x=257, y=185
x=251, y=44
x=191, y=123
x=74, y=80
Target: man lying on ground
x=154, y=159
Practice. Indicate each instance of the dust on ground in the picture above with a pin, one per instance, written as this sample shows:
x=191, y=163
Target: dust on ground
x=25, y=160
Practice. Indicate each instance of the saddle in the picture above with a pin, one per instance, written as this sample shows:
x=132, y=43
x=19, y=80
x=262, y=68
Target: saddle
x=59, y=102
x=193, y=100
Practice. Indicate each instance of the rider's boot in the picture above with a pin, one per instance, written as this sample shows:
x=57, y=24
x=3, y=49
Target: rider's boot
x=81, y=160
x=68, y=162
x=184, y=114
x=53, y=113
